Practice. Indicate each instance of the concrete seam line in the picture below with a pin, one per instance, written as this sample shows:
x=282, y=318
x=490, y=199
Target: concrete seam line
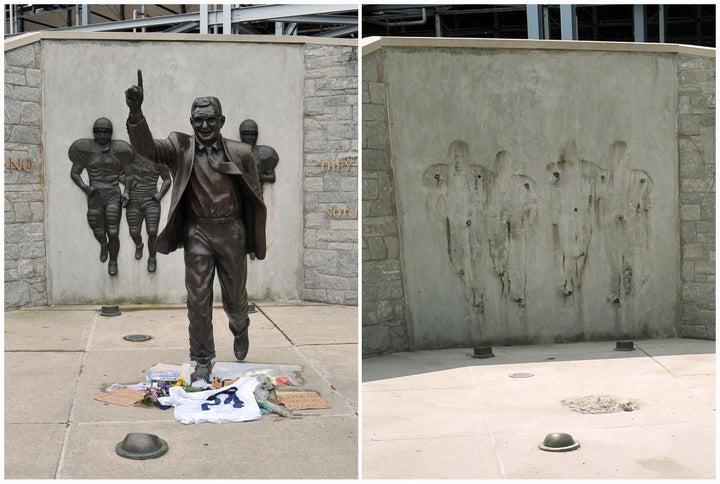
x=61, y=459
x=656, y=361
x=490, y=434
x=259, y=309
x=326, y=381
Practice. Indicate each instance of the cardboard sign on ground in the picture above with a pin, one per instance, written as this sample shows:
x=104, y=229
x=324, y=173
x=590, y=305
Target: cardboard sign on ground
x=302, y=400
x=122, y=396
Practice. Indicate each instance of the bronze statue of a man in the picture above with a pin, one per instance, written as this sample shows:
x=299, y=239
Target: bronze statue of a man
x=144, y=204
x=265, y=156
x=216, y=214
x=107, y=163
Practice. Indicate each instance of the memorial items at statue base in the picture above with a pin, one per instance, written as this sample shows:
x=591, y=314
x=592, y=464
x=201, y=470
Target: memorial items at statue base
x=238, y=392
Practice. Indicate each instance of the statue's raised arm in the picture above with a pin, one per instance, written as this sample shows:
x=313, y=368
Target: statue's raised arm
x=134, y=95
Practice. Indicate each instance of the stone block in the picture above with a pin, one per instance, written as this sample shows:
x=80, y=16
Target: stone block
x=693, y=331
x=321, y=259
x=21, y=233
x=689, y=124
x=375, y=136
x=314, y=295
x=22, y=212
x=376, y=248
x=382, y=271
x=377, y=92
x=375, y=160
x=30, y=114
x=33, y=77
x=374, y=112
x=691, y=77
x=376, y=339
x=688, y=62
x=346, y=298
x=314, y=64
x=316, y=280
x=705, y=226
x=695, y=251
x=336, y=84
x=704, y=268
x=332, y=184
x=350, y=183
x=392, y=247
x=691, y=198
x=690, y=212
x=13, y=109
x=313, y=183
x=399, y=337
x=370, y=189
x=687, y=272
x=384, y=226
x=31, y=250
x=11, y=253
x=707, y=208
x=25, y=134
x=698, y=292
x=27, y=93
x=349, y=224
x=337, y=235
x=310, y=237
x=370, y=68
x=21, y=57
x=15, y=78
x=332, y=197
x=696, y=184
x=313, y=106
x=342, y=246
x=380, y=208
x=347, y=265
x=17, y=294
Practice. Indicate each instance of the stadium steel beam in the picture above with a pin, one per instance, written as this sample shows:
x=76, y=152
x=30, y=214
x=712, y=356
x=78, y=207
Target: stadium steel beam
x=339, y=32
x=290, y=13
x=535, y=21
x=639, y=23
x=661, y=23
x=568, y=22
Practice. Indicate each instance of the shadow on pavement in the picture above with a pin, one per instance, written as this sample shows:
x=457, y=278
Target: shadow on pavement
x=407, y=363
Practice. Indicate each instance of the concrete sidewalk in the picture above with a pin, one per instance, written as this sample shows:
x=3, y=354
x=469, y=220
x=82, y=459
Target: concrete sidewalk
x=57, y=360
x=444, y=414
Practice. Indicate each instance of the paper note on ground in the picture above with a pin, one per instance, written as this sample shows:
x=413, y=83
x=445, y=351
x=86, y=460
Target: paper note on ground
x=302, y=400
x=122, y=396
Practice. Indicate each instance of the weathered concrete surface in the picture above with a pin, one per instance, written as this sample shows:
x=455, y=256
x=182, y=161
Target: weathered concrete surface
x=535, y=201
x=443, y=414
x=67, y=434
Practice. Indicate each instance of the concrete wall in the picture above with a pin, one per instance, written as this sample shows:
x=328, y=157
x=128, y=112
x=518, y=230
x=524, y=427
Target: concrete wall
x=537, y=190
x=84, y=77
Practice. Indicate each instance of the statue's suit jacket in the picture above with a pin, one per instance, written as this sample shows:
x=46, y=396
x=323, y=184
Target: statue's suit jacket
x=178, y=152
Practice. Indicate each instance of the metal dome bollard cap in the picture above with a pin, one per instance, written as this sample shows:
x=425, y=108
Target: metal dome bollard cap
x=110, y=311
x=624, y=346
x=483, y=352
x=141, y=446
x=559, y=442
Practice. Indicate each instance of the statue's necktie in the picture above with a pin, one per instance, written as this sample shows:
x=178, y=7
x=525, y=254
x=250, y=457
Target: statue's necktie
x=226, y=167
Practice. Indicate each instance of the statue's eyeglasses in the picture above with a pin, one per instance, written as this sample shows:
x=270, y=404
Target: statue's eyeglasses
x=103, y=130
x=197, y=121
